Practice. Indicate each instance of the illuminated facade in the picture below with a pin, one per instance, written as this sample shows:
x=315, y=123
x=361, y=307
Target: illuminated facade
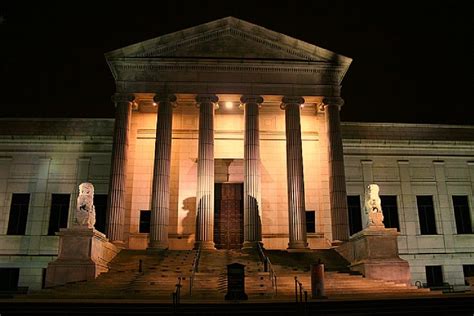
x=228, y=134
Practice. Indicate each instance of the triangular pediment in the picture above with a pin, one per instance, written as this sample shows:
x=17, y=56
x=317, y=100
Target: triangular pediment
x=229, y=38
x=231, y=46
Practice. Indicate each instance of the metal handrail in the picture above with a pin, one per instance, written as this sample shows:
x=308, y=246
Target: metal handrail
x=195, y=269
x=268, y=267
x=299, y=289
x=176, y=295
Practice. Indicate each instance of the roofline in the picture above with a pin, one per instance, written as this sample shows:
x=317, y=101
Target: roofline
x=307, y=47
x=388, y=124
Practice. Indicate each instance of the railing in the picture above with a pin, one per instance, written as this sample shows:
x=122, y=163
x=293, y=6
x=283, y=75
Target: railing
x=299, y=291
x=267, y=267
x=176, y=295
x=194, y=269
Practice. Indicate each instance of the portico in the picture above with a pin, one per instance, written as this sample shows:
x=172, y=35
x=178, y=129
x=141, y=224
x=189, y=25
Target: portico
x=281, y=117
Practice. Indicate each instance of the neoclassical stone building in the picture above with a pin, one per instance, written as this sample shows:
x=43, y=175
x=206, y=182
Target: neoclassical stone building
x=228, y=134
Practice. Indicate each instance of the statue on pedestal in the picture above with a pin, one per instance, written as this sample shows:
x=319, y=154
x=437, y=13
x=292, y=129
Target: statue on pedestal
x=373, y=206
x=85, y=210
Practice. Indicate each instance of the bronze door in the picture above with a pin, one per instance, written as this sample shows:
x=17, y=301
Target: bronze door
x=228, y=218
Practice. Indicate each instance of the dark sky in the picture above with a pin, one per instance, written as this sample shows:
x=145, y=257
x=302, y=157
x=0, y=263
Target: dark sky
x=412, y=61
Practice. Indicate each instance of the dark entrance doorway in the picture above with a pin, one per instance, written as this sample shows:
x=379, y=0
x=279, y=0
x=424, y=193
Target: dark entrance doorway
x=228, y=215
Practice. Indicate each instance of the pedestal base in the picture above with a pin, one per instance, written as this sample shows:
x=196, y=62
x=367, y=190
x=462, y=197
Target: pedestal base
x=298, y=245
x=84, y=253
x=374, y=253
x=385, y=269
x=205, y=245
x=158, y=246
x=249, y=245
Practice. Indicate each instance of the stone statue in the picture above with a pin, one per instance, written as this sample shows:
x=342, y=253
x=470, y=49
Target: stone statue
x=85, y=210
x=373, y=206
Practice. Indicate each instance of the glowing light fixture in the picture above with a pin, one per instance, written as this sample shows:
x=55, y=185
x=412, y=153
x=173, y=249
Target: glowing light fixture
x=229, y=105
x=154, y=104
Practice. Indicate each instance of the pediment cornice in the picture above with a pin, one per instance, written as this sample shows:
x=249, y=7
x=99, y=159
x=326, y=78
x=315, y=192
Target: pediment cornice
x=228, y=51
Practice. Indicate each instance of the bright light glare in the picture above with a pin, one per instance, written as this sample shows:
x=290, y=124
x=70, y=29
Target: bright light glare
x=228, y=105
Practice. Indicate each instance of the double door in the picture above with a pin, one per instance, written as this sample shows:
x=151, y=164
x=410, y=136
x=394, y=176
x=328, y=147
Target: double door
x=228, y=215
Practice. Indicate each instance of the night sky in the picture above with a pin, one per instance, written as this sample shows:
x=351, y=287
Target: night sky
x=412, y=61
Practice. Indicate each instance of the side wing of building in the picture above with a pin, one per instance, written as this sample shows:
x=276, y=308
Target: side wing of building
x=426, y=179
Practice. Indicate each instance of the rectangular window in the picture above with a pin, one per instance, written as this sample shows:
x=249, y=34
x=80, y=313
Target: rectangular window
x=9, y=277
x=355, y=219
x=390, y=211
x=59, y=212
x=468, y=270
x=145, y=221
x=462, y=214
x=100, y=204
x=310, y=222
x=426, y=214
x=18, y=214
x=434, y=276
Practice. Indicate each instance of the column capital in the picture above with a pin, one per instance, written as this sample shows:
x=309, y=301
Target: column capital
x=287, y=100
x=251, y=99
x=123, y=97
x=206, y=98
x=337, y=101
x=161, y=97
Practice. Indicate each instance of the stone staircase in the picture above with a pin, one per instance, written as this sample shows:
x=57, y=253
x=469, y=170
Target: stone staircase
x=161, y=270
x=211, y=280
x=158, y=278
x=340, y=283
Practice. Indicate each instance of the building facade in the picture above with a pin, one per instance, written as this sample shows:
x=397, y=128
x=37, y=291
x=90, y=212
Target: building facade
x=228, y=134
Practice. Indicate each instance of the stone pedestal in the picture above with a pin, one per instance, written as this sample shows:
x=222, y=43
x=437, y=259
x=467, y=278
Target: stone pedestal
x=317, y=280
x=374, y=253
x=83, y=254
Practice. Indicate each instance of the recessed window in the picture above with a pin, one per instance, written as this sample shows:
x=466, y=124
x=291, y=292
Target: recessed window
x=145, y=221
x=355, y=219
x=468, y=270
x=9, y=277
x=58, y=213
x=390, y=211
x=434, y=276
x=462, y=214
x=426, y=214
x=310, y=222
x=100, y=204
x=18, y=214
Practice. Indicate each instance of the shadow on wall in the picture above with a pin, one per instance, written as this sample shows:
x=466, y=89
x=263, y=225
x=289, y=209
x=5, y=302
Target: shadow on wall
x=255, y=215
x=189, y=221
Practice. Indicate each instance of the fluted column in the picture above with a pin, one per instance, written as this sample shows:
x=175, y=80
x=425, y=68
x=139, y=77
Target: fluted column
x=294, y=168
x=337, y=179
x=160, y=194
x=116, y=197
x=205, y=185
x=252, y=203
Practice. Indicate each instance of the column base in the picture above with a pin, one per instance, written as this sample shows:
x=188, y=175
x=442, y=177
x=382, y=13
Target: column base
x=205, y=245
x=250, y=244
x=298, y=245
x=157, y=246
